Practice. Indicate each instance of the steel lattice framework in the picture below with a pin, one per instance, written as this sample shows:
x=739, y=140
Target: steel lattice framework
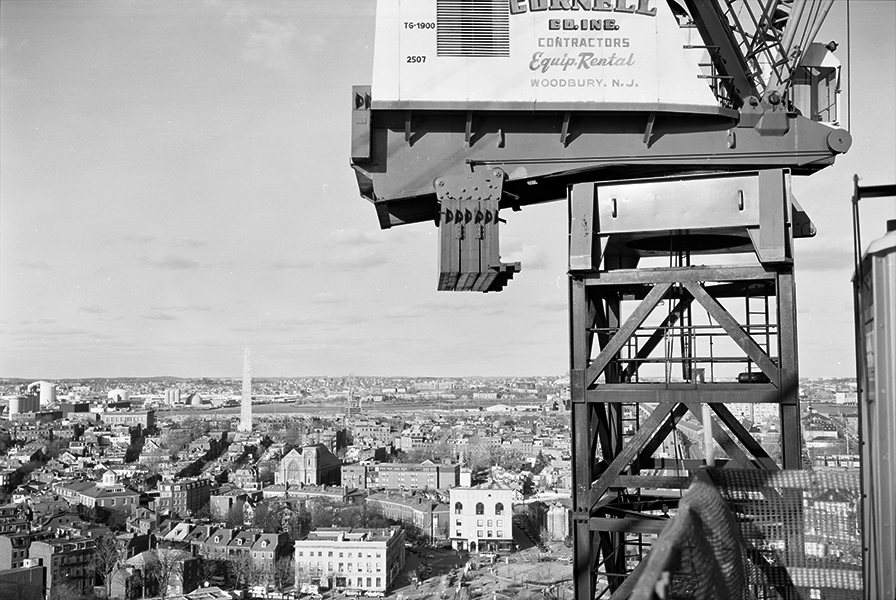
x=646, y=182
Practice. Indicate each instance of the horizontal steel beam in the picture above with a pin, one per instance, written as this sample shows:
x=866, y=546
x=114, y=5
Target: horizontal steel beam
x=664, y=393
x=627, y=525
x=660, y=482
x=679, y=275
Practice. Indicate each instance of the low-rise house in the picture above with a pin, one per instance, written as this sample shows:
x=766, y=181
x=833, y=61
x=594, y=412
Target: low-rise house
x=198, y=538
x=245, y=478
x=64, y=522
x=143, y=521
x=221, y=503
x=241, y=543
x=215, y=547
x=184, y=573
x=268, y=549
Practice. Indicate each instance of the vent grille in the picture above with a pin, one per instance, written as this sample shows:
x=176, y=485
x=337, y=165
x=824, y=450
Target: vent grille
x=472, y=28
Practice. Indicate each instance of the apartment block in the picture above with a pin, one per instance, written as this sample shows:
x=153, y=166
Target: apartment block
x=182, y=497
x=427, y=475
x=482, y=518
x=366, y=560
x=66, y=560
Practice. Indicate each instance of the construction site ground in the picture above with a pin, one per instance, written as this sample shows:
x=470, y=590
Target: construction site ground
x=526, y=573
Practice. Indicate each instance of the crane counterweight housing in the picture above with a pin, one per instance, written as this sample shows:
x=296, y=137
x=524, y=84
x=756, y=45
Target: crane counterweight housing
x=551, y=93
x=500, y=55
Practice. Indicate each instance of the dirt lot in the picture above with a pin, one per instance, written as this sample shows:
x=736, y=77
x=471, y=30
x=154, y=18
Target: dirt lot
x=521, y=575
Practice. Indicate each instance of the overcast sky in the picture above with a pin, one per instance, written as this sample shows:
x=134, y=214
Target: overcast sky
x=174, y=187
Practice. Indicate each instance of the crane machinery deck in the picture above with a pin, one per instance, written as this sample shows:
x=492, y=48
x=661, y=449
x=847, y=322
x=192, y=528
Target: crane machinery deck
x=672, y=129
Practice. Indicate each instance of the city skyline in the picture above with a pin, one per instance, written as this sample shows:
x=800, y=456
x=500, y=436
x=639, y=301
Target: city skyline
x=174, y=187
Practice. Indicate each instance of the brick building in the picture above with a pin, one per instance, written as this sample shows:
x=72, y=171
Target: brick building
x=354, y=559
x=183, y=497
x=66, y=560
x=427, y=475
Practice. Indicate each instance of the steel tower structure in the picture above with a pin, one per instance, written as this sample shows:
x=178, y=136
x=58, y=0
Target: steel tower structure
x=672, y=130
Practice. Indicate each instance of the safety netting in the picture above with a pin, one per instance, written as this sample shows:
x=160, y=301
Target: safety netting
x=745, y=534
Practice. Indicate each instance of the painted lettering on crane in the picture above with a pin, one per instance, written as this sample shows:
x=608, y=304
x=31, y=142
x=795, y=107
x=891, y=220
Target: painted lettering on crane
x=638, y=7
x=582, y=62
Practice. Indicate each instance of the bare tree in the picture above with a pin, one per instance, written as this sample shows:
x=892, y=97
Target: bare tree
x=244, y=570
x=284, y=573
x=235, y=517
x=107, y=558
x=302, y=575
x=165, y=566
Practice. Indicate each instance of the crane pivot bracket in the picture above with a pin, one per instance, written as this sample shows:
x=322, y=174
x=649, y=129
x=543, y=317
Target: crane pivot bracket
x=469, y=257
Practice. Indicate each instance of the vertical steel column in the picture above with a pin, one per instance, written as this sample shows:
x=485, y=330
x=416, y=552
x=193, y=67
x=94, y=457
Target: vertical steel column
x=789, y=384
x=615, y=473
x=580, y=342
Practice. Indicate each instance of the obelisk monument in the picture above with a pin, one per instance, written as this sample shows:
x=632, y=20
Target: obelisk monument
x=246, y=408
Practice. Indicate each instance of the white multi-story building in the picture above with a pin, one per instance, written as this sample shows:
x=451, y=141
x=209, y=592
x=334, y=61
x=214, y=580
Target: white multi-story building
x=355, y=559
x=482, y=518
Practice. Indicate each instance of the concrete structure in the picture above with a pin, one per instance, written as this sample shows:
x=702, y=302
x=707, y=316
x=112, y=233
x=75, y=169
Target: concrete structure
x=466, y=477
x=481, y=518
x=314, y=465
x=119, y=395
x=246, y=406
x=172, y=396
x=23, y=403
x=558, y=522
x=46, y=390
x=66, y=560
x=357, y=559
